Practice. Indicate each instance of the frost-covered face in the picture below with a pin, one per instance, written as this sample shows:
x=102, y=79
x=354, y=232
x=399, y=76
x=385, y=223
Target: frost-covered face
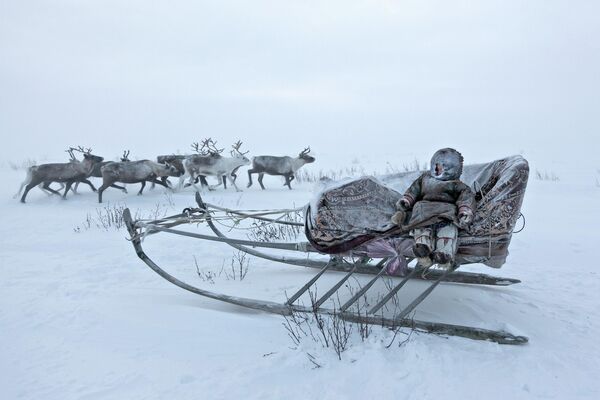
x=446, y=165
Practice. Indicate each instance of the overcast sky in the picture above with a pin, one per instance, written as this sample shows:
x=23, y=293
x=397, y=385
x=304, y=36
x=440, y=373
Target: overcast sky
x=490, y=78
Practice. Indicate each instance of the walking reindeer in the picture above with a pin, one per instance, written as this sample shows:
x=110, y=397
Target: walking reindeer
x=68, y=173
x=284, y=166
x=134, y=172
x=97, y=172
x=174, y=160
x=41, y=185
x=211, y=162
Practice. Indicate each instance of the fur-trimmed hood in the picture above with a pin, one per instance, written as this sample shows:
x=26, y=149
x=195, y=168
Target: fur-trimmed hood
x=446, y=165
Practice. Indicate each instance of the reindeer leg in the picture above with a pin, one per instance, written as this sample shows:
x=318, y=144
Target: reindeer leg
x=29, y=186
x=224, y=182
x=119, y=187
x=180, y=182
x=74, y=188
x=41, y=186
x=86, y=181
x=288, y=179
x=62, y=186
x=260, y=179
x=219, y=182
x=102, y=188
x=67, y=188
x=192, y=182
x=250, y=172
x=160, y=183
x=46, y=186
x=142, y=188
x=203, y=181
x=233, y=183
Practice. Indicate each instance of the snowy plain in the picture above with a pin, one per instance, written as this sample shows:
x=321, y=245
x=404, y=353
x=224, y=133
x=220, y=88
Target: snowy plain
x=83, y=318
x=370, y=85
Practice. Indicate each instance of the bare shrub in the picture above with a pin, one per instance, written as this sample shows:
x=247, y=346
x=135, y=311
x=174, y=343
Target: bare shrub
x=265, y=231
x=348, y=172
x=205, y=276
x=546, y=176
x=110, y=217
x=356, y=171
x=238, y=267
x=333, y=331
x=328, y=331
x=415, y=165
x=237, y=270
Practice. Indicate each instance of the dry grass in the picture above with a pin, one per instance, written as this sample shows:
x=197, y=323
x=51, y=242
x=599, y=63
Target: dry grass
x=546, y=176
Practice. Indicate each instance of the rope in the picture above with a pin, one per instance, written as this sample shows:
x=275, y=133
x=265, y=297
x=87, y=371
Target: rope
x=521, y=215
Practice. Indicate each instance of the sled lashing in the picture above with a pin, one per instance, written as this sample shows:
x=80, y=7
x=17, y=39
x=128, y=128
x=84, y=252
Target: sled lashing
x=349, y=221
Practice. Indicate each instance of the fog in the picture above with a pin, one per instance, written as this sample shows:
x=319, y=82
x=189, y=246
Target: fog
x=390, y=78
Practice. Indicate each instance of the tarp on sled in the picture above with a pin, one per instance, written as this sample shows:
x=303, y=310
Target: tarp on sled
x=353, y=216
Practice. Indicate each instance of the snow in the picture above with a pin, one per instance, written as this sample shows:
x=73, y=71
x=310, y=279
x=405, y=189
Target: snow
x=83, y=318
x=370, y=85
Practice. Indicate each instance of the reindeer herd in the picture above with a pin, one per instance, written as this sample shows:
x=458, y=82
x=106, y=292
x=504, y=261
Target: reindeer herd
x=206, y=161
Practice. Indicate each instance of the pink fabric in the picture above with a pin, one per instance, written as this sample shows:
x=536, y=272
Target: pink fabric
x=394, y=249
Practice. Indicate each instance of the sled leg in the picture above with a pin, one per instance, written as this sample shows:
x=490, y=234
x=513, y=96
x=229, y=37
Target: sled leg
x=304, y=288
x=364, y=289
x=334, y=289
x=423, y=295
x=393, y=292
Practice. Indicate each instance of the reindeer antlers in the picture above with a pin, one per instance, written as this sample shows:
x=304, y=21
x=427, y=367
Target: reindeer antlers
x=125, y=156
x=236, y=149
x=71, y=155
x=209, y=147
x=305, y=151
x=80, y=149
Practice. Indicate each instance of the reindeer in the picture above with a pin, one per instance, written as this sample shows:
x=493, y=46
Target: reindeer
x=69, y=173
x=134, y=172
x=208, y=148
x=72, y=158
x=177, y=162
x=271, y=165
x=97, y=172
x=210, y=162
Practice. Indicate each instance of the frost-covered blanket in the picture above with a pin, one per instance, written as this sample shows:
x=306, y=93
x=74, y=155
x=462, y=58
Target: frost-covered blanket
x=353, y=216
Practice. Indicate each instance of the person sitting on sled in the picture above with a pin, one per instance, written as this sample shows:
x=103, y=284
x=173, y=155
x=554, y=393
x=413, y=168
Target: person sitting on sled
x=440, y=203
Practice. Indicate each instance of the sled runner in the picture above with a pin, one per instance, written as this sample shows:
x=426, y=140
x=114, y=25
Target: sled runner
x=350, y=222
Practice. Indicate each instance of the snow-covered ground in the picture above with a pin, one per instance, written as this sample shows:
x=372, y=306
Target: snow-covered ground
x=81, y=317
x=370, y=85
